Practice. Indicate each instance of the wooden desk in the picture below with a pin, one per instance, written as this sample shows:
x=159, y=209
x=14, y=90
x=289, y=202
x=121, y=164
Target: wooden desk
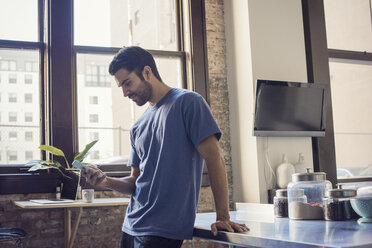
x=70, y=234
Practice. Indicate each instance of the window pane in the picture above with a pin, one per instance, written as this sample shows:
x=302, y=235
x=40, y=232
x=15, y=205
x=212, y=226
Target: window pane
x=351, y=87
x=17, y=116
x=348, y=24
x=18, y=20
x=115, y=114
x=149, y=24
x=170, y=70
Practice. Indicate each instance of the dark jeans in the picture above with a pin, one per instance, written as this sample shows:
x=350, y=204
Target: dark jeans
x=129, y=241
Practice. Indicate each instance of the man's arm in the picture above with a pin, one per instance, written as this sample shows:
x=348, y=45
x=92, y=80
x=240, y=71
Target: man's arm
x=210, y=150
x=125, y=185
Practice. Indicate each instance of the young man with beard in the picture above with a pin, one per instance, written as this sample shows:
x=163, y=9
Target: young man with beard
x=169, y=142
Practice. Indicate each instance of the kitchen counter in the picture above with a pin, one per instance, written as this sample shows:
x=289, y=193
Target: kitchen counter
x=268, y=231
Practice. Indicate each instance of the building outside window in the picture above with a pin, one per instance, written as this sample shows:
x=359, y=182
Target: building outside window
x=93, y=99
x=13, y=136
x=96, y=75
x=12, y=97
x=31, y=66
x=28, y=117
x=21, y=53
x=28, y=79
x=12, y=78
x=93, y=118
x=28, y=136
x=8, y=65
x=28, y=98
x=94, y=136
x=28, y=155
x=12, y=116
x=95, y=155
x=12, y=156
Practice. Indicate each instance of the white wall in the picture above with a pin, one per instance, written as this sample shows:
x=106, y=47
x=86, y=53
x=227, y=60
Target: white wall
x=264, y=41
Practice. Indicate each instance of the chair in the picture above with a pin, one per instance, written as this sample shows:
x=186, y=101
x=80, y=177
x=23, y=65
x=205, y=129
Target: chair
x=14, y=235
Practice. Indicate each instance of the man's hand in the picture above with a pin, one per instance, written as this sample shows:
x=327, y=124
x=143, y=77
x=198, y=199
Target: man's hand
x=93, y=179
x=228, y=226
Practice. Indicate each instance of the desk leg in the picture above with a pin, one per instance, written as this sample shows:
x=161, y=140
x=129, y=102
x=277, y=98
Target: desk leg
x=74, y=229
x=69, y=239
x=67, y=227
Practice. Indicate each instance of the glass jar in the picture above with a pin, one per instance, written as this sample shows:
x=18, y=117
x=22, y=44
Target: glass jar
x=314, y=186
x=336, y=204
x=281, y=203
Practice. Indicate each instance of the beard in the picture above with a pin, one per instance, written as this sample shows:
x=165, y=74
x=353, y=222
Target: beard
x=143, y=94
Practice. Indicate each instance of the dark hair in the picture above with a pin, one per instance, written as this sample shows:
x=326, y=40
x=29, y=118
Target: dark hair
x=133, y=58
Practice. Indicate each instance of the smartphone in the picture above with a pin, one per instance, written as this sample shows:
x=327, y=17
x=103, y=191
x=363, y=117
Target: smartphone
x=80, y=165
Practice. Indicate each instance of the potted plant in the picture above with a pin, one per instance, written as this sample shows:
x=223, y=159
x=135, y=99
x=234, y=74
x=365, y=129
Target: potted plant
x=70, y=176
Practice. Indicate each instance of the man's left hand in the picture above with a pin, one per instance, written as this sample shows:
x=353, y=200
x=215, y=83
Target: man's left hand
x=228, y=226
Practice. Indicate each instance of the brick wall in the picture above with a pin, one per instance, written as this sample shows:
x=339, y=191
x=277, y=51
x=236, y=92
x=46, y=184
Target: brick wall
x=99, y=227
x=218, y=89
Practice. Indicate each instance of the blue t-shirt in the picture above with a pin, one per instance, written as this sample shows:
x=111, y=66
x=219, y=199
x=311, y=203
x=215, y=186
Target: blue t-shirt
x=164, y=141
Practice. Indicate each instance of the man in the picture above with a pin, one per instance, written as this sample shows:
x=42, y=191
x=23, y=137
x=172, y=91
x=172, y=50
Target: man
x=169, y=142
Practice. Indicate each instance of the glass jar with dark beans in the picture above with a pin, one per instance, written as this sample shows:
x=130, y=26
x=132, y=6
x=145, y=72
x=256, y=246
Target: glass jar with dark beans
x=336, y=204
x=281, y=203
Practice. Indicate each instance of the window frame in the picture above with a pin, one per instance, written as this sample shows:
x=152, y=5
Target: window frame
x=58, y=66
x=317, y=60
x=351, y=56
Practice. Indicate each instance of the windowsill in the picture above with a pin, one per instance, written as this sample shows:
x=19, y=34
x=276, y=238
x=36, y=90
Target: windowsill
x=17, y=180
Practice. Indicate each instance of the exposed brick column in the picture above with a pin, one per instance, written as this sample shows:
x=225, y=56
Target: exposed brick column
x=218, y=89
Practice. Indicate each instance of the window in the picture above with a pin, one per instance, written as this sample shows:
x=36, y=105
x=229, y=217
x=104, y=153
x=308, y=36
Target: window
x=93, y=118
x=28, y=117
x=12, y=116
x=8, y=65
x=28, y=79
x=93, y=79
x=31, y=66
x=93, y=99
x=12, y=97
x=28, y=155
x=13, y=136
x=350, y=64
x=28, y=136
x=94, y=136
x=96, y=75
x=12, y=78
x=21, y=53
x=24, y=57
x=95, y=155
x=12, y=156
x=28, y=98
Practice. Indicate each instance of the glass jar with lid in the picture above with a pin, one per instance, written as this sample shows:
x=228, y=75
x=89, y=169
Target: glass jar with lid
x=313, y=186
x=281, y=203
x=336, y=204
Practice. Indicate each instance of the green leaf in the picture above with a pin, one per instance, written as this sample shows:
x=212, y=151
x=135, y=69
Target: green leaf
x=80, y=156
x=42, y=164
x=45, y=165
x=52, y=149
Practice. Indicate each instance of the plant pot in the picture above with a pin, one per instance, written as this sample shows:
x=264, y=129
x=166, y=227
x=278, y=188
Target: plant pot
x=70, y=184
